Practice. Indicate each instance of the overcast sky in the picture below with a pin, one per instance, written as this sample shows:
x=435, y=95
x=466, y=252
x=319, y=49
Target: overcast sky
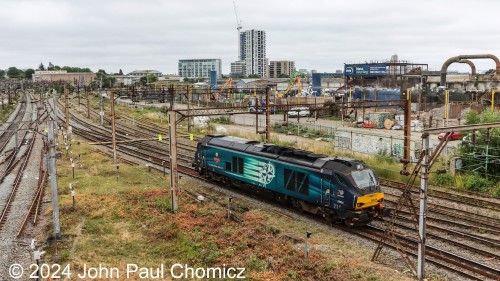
x=316, y=34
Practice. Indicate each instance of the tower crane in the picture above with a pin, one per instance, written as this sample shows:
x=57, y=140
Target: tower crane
x=238, y=27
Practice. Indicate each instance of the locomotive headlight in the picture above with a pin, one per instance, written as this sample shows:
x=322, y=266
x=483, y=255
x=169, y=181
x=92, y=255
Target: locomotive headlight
x=359, y=167
x=358, y=205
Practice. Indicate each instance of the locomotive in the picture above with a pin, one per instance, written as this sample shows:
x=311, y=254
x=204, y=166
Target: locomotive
x=342, y=190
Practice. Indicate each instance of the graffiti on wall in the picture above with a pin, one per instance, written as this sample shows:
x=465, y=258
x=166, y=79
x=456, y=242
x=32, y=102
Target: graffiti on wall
x=370, y=144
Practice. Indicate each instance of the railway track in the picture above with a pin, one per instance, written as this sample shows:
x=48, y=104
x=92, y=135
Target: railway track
x=473, y=200
x=459, y=218
x=448, y=260
x=17, y=181
x=8, y=132
x=476, y=271
x=34, y=209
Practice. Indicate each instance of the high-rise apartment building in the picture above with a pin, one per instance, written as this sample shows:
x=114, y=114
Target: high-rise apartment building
x=253, y=52
x=277, y=68
x=195, y=68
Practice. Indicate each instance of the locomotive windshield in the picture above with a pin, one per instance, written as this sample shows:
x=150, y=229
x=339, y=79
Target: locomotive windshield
x=364, y=179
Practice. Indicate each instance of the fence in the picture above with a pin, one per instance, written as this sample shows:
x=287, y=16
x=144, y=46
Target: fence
x=347, y=139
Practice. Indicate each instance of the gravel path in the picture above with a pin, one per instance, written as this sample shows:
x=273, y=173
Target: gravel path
x=17, y=250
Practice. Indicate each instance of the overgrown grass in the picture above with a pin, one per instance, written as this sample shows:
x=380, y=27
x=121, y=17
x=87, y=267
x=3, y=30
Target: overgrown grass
x=4, y=112
x=128, y=221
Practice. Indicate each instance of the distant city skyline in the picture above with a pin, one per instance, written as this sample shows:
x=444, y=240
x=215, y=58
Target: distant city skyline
x=316, y=34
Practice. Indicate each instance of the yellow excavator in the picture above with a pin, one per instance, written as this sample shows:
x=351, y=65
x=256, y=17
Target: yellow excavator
x=296, y=80
x=228, y=84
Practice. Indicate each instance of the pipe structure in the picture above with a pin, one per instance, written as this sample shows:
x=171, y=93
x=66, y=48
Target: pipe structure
x=451, y=60
x=471, y=64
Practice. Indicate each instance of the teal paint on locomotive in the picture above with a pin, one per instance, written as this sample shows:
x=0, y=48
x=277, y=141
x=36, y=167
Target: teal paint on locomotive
x=321, y=189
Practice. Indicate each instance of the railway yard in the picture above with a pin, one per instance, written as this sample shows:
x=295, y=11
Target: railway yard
x=121, y=213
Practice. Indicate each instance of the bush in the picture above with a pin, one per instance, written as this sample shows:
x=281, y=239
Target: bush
x=222, y=120
x=496, y=190
x=475, y=182
x=443, y=179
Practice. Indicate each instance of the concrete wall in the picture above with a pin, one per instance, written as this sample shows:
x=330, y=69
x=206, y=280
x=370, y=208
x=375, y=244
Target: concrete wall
x=373, y=144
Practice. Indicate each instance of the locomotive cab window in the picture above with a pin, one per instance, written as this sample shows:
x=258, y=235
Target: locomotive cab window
x=296, y=181
x=364, y=179
x=228, y=166
x=238, y=165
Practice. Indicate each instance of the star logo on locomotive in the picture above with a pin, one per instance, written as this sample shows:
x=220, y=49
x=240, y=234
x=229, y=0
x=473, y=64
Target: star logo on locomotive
x=267, y=173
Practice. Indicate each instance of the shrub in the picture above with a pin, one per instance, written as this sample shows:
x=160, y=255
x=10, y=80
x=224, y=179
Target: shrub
x=496, y=190
x=221, y=120
x=475, y=182
x=443, y=179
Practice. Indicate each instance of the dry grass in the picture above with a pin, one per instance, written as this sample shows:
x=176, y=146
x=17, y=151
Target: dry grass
x=129, y=222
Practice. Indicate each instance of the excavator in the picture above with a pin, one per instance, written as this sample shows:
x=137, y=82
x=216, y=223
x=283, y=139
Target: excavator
x=228, y=84
x=295, y=80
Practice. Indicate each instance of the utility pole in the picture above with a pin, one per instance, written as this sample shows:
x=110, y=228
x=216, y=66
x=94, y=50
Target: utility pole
x=54, y=111
x=88, y=102
x=15, y=134
x=101, y=108
x=78, y=92
x=174, y=179
x=424, y=176
x=268, y=116
x=113, y=132
x=190, y=123
x=492, y=100
x=66, y=107
x=53, y=181
x=407, y=130
x=446, y=101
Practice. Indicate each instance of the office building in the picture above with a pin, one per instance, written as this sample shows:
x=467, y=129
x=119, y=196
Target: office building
x=279, y=69
x=196, y=68
x=237, y=68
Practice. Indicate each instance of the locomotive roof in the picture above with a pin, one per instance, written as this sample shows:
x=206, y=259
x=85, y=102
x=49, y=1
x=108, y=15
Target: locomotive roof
x=284, y=153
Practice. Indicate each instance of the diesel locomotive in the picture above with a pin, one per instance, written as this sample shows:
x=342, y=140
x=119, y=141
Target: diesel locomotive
x=340, y=189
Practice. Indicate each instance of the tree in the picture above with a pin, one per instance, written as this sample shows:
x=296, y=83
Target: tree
x=151, y=78
x=283, y=75
x=41, y=67
x=475, y=155
x=53, y=67
x=29, y=73
x=254, y=76
x=73, y=69
x=120, y=73
x=2, y=74
x=14, y=72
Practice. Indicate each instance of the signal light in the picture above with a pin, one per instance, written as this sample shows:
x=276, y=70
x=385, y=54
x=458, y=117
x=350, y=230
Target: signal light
x=441, y=171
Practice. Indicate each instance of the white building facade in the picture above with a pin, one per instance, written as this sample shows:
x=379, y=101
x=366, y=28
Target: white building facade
x=253, y=52
x=196, y=68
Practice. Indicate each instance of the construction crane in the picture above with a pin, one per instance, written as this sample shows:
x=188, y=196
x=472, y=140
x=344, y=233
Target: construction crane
x=238, y=27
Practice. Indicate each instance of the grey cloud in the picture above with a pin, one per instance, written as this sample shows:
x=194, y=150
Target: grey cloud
x=317, y=34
